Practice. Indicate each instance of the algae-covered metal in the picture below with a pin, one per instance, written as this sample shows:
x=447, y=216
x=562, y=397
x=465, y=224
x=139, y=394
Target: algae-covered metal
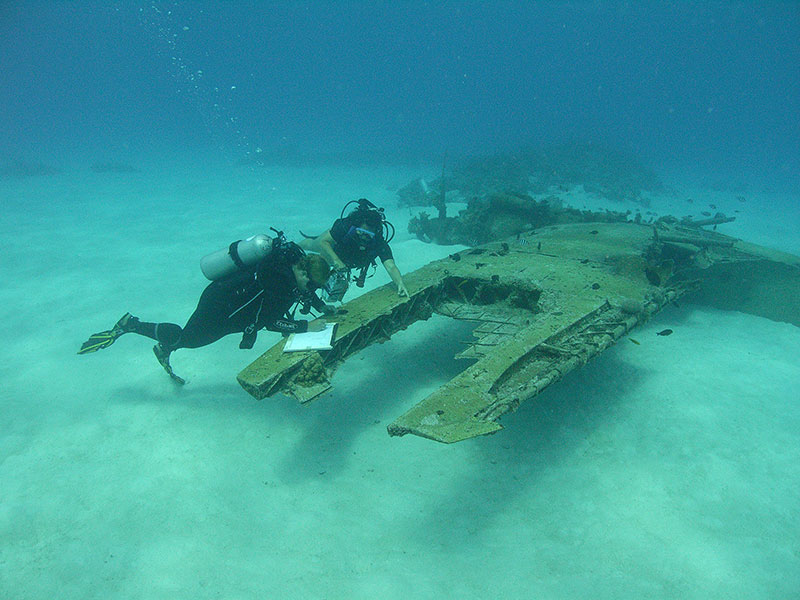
x=543, y=304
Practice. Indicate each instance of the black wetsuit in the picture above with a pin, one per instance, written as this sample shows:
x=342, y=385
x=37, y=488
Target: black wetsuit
x=350, y=249
x=243, y=302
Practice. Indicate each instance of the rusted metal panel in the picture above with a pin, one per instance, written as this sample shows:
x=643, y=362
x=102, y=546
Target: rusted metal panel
x=543, y=304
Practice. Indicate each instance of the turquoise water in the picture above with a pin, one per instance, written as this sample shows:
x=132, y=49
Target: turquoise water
x=667, y=469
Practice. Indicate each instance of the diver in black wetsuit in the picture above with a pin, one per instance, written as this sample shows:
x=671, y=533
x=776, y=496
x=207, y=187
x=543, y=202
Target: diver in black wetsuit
x=243, y=302
x=354, y=242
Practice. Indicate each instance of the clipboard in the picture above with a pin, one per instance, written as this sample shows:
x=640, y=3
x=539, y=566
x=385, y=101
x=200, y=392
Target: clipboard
x=311, y=340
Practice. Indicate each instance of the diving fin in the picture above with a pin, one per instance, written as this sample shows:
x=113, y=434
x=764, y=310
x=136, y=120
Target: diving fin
x=103, y=339
x=162, y=355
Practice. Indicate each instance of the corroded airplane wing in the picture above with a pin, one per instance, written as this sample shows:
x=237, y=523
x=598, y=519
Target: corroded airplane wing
x=540, y=309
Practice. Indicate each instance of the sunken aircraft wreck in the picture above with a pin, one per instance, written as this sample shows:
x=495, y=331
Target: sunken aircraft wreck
x=543, y=302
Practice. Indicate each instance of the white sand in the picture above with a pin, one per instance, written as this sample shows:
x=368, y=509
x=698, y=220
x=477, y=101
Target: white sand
x=668, y=469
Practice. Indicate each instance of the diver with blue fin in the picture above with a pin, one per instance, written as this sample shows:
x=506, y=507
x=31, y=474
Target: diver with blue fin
x=353, y=243
x=255, y=284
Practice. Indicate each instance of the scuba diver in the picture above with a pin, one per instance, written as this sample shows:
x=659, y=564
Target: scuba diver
x=353, y=243
x=243, y=299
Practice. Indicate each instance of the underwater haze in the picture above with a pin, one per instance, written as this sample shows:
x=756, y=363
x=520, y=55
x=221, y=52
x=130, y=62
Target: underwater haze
x=138, y=137
x=716, y=83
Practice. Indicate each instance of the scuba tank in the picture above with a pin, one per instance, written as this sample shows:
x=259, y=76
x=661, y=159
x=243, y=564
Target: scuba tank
x=239, y=255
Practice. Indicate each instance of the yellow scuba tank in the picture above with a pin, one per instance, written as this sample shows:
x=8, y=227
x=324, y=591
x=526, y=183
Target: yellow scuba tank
x=239, y=255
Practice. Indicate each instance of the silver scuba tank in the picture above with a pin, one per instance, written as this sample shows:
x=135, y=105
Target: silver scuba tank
x=239, y=255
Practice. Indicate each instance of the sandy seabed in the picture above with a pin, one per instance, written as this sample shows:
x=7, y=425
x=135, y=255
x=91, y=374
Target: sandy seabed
x=668, y=469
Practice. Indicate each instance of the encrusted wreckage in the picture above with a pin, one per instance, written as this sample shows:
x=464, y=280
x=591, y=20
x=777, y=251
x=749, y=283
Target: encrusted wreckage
x=543, y=303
